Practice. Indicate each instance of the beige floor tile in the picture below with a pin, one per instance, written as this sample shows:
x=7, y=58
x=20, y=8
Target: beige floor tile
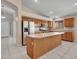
x=71, y=53
x=5, y=57
x=67, y=50
x=14, y=51
x=69, y=57
x=67, y=44
x=17, y=57
x=5, y=54
x=61, y=51
x=45, y=56
x=25, y=56
x=54, y=56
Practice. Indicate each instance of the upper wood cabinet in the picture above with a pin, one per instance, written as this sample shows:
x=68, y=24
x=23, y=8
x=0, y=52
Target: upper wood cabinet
x=36, y=21
x=50, y=24
x=69, y=22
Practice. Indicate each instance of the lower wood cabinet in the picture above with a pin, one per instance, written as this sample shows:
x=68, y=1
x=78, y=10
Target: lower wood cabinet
x=68, y=36
x=37, y=47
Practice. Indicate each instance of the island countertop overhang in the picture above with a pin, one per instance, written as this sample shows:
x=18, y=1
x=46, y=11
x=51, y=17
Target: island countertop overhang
x=44, y=35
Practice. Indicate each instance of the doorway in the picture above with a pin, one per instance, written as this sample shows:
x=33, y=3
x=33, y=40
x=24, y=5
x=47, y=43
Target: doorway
x=8, y=20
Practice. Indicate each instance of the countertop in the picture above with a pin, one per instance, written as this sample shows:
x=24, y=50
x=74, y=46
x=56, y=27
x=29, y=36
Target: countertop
x=43, y=35
x=65, y=29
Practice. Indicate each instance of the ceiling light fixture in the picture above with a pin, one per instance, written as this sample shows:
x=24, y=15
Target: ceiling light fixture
x=36, y=1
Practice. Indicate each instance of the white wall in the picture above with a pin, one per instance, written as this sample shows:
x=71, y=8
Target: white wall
x=31, y=13
x=18, y=4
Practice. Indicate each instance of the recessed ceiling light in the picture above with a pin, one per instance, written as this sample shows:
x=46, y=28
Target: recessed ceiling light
x=36, y=1
x=3, y=17
x=51, y=12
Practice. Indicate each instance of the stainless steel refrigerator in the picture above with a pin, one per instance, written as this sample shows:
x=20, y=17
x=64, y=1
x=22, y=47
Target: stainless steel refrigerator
x=28, y=27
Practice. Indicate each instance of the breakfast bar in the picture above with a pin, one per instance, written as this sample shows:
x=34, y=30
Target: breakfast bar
x=39, y=44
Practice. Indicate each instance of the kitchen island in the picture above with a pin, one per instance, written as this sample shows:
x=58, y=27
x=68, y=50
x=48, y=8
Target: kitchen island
x=39, y=44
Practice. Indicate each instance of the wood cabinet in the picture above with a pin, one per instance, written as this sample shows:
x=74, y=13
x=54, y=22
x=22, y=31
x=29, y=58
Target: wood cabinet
x=50, y=25
x=39, y=46
x=36, y=21
x=68, y=36
x=69, y=22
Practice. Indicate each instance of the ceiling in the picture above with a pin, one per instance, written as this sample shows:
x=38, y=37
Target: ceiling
x=52, y=8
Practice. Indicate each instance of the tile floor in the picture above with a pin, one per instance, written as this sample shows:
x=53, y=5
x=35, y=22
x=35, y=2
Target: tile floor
x=9, y=50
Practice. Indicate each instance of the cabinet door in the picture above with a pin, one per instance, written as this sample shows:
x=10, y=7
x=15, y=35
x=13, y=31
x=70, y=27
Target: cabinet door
x=39, y=22
x=69, y=22
x=68, y=36
x=50, y=24
x=35, y=21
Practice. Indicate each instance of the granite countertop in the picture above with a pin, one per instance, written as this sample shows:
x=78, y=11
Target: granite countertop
x=43, y=35
x=65, y=29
